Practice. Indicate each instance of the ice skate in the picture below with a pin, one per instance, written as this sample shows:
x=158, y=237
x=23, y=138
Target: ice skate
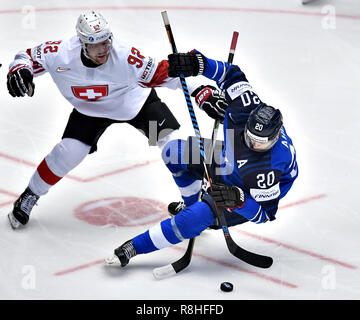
x=20, y=214
x=175, y=207
x=122, y=255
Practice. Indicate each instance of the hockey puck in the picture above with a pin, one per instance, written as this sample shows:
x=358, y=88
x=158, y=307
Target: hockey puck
x=226, y=286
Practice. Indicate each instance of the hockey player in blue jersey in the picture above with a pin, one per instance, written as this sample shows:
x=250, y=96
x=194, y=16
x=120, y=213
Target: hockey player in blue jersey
x=256, y=167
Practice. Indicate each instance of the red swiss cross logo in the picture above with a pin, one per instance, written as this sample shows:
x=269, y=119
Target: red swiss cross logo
x=91, y=92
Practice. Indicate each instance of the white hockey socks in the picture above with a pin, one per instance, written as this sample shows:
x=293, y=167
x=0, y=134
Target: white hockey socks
x=64, y=157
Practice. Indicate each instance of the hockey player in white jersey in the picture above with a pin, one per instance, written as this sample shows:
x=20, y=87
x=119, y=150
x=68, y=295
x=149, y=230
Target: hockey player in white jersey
x=106, y=81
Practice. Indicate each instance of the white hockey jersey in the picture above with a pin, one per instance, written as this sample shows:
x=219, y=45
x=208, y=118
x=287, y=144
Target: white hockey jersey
x=116, y=90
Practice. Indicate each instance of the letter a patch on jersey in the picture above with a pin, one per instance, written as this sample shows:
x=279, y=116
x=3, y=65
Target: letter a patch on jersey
x=241, y=163
x=91, y=92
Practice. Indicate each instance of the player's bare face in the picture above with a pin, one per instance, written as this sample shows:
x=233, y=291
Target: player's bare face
x=99, y=52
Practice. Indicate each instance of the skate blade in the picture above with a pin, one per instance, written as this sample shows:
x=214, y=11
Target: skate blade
x=15, y=224
x=112, y=261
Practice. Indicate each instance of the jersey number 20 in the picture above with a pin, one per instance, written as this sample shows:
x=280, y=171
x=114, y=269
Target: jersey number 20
x=265, y=181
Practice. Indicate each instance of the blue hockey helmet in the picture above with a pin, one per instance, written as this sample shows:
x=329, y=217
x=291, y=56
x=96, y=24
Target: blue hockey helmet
x=262, y=128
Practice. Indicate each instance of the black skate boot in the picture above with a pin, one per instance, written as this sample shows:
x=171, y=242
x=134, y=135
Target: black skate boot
x=20, y=214
x=125, y=252
x=175, y=207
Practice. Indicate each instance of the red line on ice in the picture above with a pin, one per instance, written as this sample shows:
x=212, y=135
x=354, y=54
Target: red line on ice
x=302, y=201
x=188, y=8
x=226, y=264
x=84, y=266
x=11, y=158
x=4, y=204
x=263, y=276
x=294, y=248
x=303, y=251
x=84, y=180
x=242, y=269
x=110, y=173
x=10, y=194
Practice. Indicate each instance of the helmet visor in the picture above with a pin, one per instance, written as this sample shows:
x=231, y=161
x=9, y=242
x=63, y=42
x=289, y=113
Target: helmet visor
x=259, y=144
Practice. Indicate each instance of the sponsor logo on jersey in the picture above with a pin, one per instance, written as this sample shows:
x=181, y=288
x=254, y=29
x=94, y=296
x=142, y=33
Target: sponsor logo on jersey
x=148, y=70
x=239, y=88
x=38, y=52
x=90, y=93
x=260, y=195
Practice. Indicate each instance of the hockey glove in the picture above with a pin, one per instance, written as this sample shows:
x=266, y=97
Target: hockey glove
x=212, y=101
x=20, y=81
x=187, y=64
x=227, y=196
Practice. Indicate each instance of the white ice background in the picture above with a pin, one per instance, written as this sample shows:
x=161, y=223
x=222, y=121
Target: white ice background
x=300, y=58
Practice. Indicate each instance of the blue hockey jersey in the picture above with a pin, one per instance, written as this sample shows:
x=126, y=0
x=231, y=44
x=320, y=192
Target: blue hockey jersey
x=265, y=177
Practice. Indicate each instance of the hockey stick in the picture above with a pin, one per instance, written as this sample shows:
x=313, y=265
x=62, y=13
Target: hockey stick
x=170, y=269
x=252, y=258
x=240, y=253
x=185, y=260
x=187, y=96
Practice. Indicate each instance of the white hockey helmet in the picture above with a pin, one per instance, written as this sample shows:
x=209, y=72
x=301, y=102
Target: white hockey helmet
x=92, y=27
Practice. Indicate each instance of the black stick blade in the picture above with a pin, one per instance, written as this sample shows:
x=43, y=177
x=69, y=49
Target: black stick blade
x=251, y=258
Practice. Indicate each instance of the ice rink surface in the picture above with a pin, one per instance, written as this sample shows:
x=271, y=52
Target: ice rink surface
x=301, y=59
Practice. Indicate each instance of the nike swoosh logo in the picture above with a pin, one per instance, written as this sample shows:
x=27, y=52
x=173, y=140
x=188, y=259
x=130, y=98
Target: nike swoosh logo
x=161, y=123
x=59, y=69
